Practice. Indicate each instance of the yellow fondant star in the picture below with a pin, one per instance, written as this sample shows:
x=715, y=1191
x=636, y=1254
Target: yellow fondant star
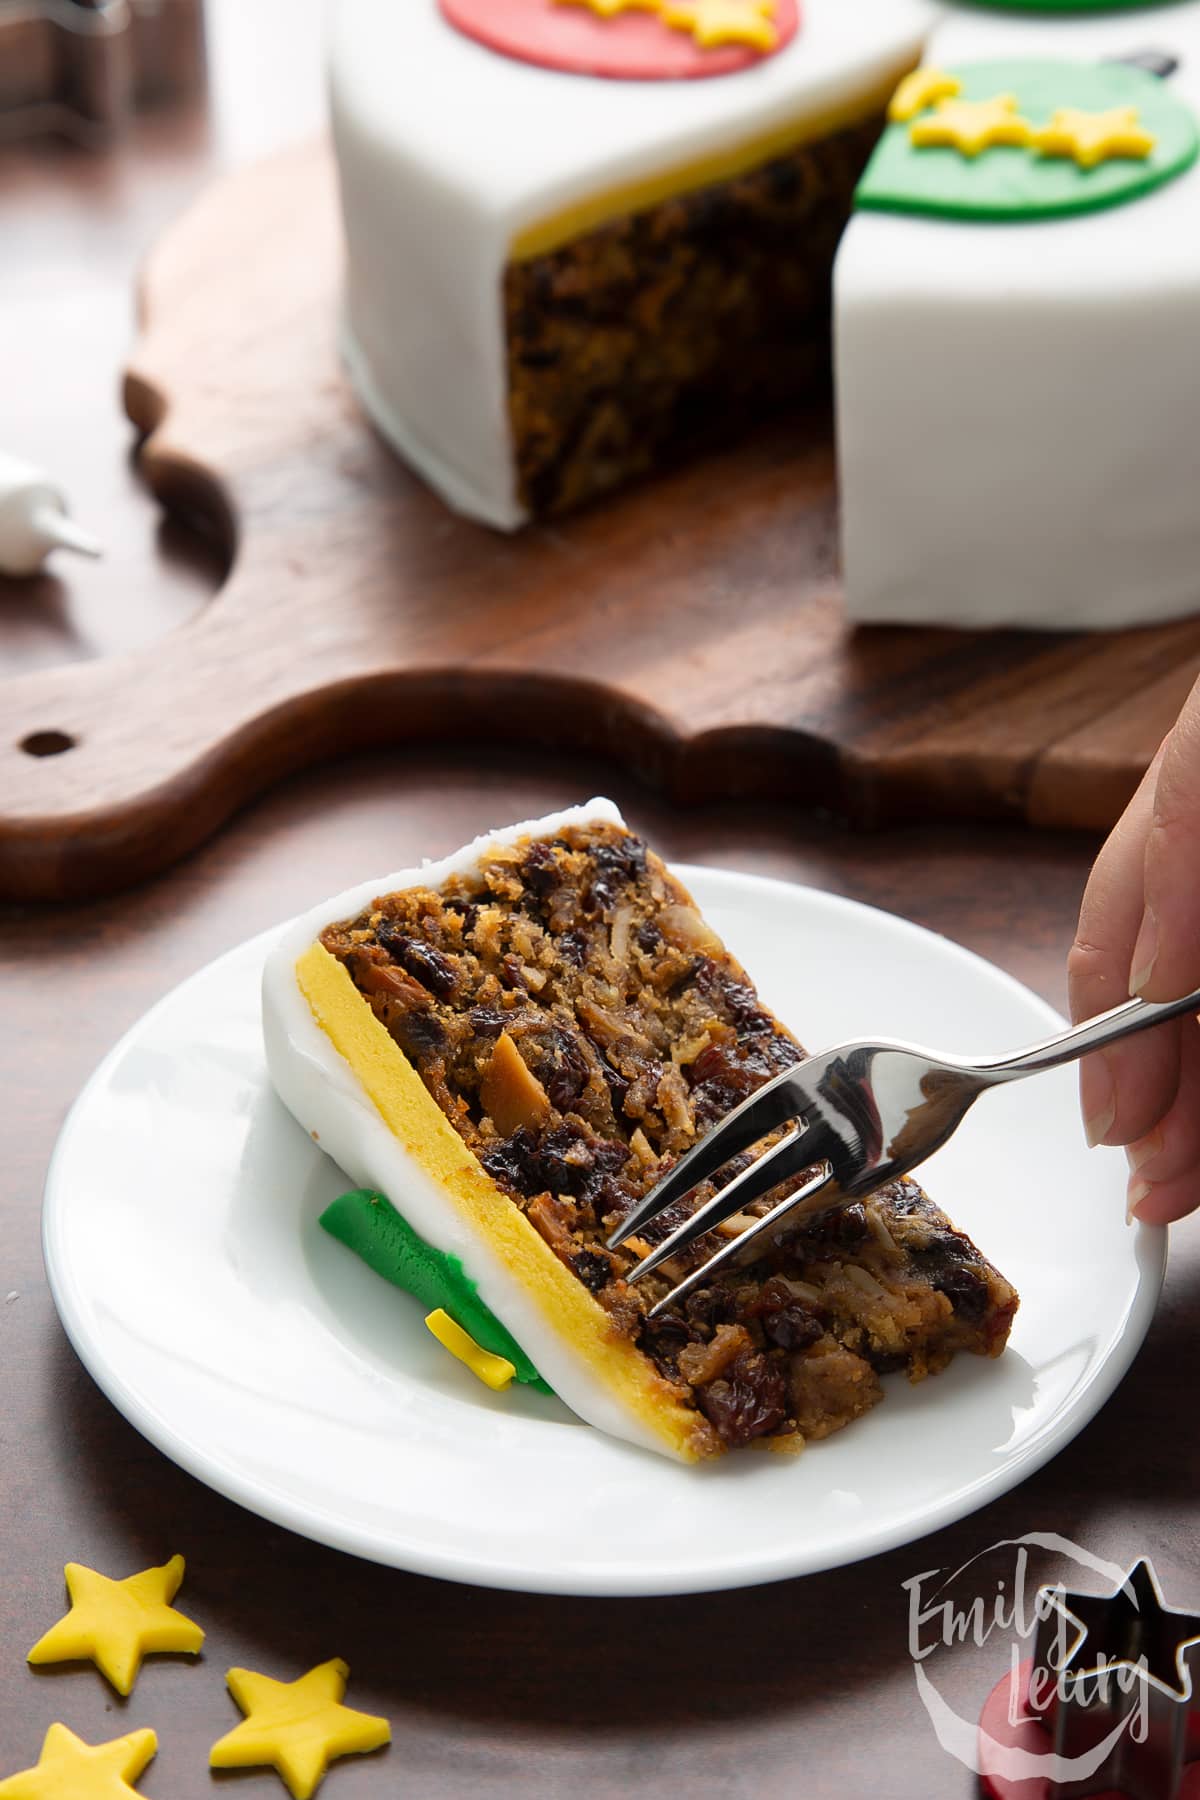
x=298, y=1727
x=921, y=89
x=715, y=22
x=115, y=1623
x=1094, y=137
x=971, y=125
x=608, y=9
x=69, y=1769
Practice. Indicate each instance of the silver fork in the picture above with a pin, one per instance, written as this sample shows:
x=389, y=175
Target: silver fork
x=858, y=1116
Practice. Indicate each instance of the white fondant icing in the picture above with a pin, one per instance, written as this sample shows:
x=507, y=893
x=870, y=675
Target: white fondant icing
x=1018, y=405
x=447, y=150
x=323, y=1093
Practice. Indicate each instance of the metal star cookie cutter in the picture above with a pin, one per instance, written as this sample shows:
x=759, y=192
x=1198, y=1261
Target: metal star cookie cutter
x=82, y=67
x=1120, y=1668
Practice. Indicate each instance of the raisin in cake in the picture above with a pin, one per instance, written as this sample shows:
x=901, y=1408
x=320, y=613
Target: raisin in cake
x=514, y=1044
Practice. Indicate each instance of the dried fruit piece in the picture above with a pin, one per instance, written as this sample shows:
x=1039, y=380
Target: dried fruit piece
x=512, y=1095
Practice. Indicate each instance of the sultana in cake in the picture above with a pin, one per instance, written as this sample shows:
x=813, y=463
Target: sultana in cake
x=584, y=235
x=514, y=1044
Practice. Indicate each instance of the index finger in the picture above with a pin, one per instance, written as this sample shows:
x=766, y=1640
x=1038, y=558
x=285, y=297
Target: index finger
x=1126, y=1089
x=1165, y=962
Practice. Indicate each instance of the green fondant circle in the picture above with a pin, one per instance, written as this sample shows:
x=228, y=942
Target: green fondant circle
x=1007, y=182
x=370, y=1226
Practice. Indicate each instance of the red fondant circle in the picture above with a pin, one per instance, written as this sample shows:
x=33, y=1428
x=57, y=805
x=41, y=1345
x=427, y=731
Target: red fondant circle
x=628, y=46
x=1008, y=1700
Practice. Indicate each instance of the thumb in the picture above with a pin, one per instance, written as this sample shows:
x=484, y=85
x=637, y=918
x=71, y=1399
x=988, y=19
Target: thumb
x=1166, y=955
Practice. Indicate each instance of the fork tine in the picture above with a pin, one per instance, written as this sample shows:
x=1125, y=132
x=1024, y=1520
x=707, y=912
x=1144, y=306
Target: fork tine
x=731, y=1251
x=776, y=1103
x=799, y=1150
x=724, y=1203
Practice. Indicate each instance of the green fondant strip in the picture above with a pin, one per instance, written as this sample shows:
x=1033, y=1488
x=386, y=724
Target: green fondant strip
x=1011, y=183
x=370, y=1226
x=1066, y=6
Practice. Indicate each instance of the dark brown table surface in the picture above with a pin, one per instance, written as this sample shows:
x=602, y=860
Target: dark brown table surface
x=805, y=1687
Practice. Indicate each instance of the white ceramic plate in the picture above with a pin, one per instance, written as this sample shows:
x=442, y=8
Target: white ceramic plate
x=184, y=1254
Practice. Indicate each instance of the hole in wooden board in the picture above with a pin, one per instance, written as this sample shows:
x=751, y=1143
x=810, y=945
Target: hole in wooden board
x=47, y=743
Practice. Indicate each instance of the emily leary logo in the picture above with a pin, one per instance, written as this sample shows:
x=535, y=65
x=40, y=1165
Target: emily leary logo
x=945, y=1609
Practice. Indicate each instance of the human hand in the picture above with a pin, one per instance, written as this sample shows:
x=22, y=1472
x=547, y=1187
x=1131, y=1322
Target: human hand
x=1139, y=933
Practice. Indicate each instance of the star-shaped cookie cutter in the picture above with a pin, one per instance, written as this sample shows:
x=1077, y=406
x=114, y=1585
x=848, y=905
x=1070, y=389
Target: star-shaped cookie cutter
x=82, y=67
x=1120, y=1668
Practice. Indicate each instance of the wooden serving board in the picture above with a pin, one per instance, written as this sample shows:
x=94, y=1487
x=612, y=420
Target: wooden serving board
x=691, y=627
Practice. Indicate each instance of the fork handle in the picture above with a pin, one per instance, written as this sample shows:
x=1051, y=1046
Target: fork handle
x=1093, y=1034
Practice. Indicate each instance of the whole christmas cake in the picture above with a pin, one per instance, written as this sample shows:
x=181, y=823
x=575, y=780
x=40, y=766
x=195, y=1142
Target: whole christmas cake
x=584, y=234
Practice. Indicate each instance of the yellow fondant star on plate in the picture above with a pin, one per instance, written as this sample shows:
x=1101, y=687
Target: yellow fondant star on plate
x=971, y=125
x=715, y=22
x=298, y=1727
x=115, y=1623
x=69, y=1769
x=920, y=89
x=1094, y=137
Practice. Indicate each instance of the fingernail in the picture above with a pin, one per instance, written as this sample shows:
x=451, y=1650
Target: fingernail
x=1143, y=1150
x=1098, y=1099
x=1137, y=1192
x=1145, y=953
x=1098, y=1125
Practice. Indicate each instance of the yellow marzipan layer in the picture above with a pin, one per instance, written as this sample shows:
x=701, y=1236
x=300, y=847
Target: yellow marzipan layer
x=594, y=210
x=422, y=1129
